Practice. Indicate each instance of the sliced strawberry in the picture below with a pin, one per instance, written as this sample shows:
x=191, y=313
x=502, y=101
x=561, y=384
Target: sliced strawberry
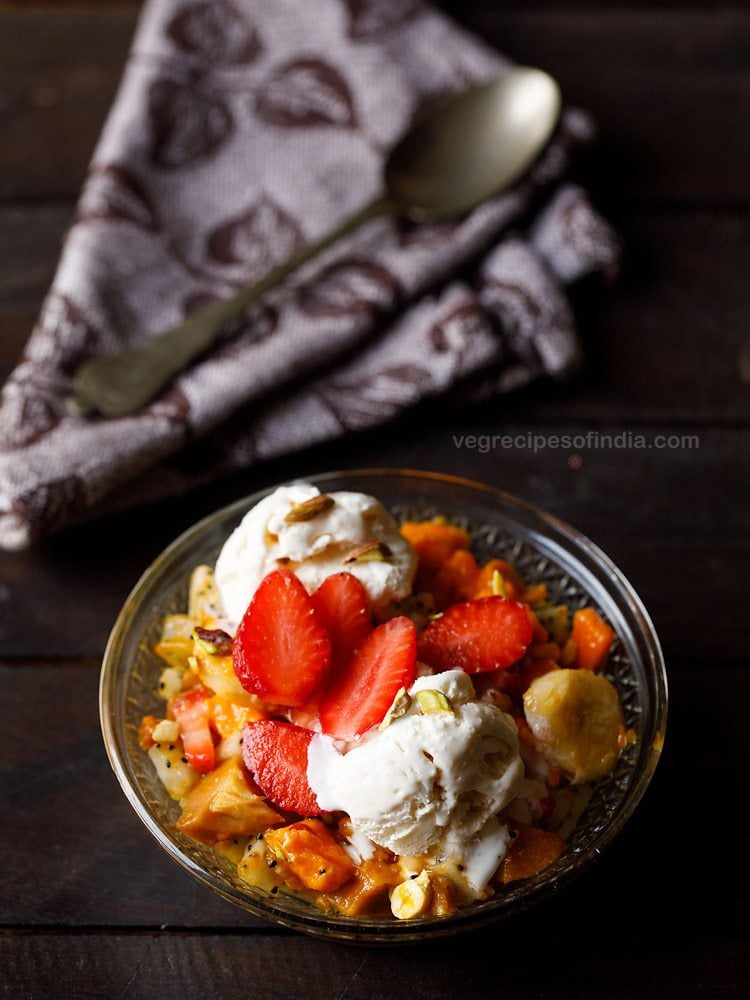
x=191, y=711
x=275, y=753
x=343, y=609
x=281, y=651
x=489, y=633
x=368, y=684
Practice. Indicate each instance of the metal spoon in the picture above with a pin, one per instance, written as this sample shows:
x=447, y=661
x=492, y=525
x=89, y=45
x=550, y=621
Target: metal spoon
x=472, y=147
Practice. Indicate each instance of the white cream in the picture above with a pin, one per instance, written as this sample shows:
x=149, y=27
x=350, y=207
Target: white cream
x=313, y=549
x=429, y=782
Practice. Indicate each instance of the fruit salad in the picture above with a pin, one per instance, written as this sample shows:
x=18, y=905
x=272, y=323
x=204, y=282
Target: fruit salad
x=360, y=714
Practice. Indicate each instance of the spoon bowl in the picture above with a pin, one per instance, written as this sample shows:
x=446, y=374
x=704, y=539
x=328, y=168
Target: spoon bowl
x=473, y=146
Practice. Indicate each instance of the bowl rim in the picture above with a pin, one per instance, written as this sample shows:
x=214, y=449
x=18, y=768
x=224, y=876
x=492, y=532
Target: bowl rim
x=374, y=931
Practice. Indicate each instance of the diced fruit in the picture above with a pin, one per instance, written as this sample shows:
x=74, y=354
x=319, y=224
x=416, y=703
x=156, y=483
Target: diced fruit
x=366, y=688
x=531, y=852
x=166, y=731
x=275, y=754
x=343, y=609
x=253, y=868
x=204, y=604
x=412, y=898
x=555, y=619
x=309, y=850
x=575, y=716
x=486, y=634
x=593, y=638
x=222, y=805
x=372, y=880
x=229, y=715
x=172, y=768
x=281, y=651
x=192, y=713
x=456, y=579
x=170, y=682
x=146, y=731
x=517, y=679
x=175, y=652
x=512, y=583
x=434, y=541
x=217, y=673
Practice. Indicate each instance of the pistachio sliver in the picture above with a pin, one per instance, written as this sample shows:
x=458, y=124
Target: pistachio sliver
x=309, y=509
x=433, y=701
x=368, y=552
x=399, y=706
x=498, y=585
x=215, y=641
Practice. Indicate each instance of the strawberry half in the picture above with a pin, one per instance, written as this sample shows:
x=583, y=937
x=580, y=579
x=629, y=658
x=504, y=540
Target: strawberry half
x=343, y=609
x=191, y=711
x=281, y=651
x=275, y=753
x=363, y=693
x=489, y=633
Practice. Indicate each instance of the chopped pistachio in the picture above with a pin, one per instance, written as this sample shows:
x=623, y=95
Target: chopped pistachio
x=309, y=509
x=399, y=706
x=275, y=850
x=498, y=585
x=368, y=552
x=216, y=642
x=433, y=701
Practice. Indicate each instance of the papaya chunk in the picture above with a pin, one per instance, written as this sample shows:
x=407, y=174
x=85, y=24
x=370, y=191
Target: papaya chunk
x=531, y=852
x=222, y=805
x=311, y=853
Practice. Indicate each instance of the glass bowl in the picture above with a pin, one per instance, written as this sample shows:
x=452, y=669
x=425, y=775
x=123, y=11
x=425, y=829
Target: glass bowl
x=542, y=547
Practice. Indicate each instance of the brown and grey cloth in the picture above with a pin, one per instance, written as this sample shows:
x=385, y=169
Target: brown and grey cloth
x=242, y=130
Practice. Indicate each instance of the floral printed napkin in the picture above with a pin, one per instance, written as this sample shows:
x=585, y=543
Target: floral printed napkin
x=242, y=130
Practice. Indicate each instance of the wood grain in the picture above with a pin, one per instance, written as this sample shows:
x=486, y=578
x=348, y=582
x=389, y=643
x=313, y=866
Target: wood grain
x=173, y=966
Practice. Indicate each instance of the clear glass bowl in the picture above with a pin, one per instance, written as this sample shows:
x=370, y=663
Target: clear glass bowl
x=538, y=544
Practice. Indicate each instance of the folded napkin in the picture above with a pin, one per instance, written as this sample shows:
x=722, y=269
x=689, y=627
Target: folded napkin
x=242, y=130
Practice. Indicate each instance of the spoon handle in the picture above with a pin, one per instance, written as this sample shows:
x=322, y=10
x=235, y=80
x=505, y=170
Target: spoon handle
x=122, y=383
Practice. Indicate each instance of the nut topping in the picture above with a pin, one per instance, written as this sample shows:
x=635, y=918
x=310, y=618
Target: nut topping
x=309, y=509
x=368, y=552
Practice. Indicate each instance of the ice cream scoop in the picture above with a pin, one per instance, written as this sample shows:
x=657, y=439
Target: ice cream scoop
x=437, y=775
x=314, y=535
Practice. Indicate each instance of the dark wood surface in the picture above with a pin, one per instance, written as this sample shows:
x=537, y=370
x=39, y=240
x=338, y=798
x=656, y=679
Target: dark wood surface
x=90, y=906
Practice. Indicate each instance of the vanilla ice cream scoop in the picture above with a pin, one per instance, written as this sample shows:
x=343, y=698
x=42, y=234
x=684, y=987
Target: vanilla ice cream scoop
x=438, y=774
x=290, y=529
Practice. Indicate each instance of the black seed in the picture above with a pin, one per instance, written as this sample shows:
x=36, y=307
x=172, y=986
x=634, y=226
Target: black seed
x=271, y=863
x=460, y=868
x=321, y=871
x=169, y=763
x=274, y=890
x=158, y=746
x=184, y=760
x=171, y=746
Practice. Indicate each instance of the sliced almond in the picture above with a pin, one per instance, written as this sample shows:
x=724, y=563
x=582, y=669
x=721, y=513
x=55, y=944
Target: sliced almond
x=309, y=509
x=368, y=552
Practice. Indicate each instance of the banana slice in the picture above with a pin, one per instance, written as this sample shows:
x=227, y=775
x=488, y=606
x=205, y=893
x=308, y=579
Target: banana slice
x=576, y=718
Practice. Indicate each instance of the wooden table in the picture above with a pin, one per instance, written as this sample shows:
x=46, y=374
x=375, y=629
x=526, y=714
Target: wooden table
x=90, y=906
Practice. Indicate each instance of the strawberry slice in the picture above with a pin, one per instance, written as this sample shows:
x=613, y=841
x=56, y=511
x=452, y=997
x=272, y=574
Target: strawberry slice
x=281, y=651
x=191, y=711
x=275, y=753
x=343, y=609
x=363, y=693
x=489, y=633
